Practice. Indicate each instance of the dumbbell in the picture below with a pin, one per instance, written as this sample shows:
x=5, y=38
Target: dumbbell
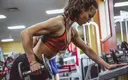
x=121, y=56
x=45, y=67
x=118, y=55
x=124, y=44
x=108, y=58
x=23, y=74
x=114, y=55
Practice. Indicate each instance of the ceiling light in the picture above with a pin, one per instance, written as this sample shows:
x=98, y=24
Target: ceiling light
x=56, y=11
x=7, y=40
x=2, y=16
x=120, y=4
x=17, y=27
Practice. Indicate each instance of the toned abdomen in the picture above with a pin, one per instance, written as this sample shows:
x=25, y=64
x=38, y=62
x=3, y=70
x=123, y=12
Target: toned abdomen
x=41, y=48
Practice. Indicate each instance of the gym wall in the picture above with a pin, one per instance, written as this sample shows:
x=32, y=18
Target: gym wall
x=12, y=47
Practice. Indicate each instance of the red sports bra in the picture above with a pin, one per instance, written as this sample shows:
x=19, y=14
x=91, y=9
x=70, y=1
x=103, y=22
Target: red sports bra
x=56, y=43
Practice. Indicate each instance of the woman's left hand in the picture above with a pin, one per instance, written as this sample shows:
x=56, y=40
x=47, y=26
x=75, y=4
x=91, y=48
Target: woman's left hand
x=113, y=66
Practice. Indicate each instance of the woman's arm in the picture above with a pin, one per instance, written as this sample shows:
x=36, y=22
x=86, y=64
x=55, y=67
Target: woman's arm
x=89, y=52
x=42, y=28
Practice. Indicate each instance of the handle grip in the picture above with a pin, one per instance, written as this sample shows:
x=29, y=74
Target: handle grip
x=29, y=72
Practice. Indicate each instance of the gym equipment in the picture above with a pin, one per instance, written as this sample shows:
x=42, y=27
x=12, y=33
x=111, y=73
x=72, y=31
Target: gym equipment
x=124, y=45
x=113, y=55
x=119, y=55
x=113, y=73
x=90, y=70
x=45, y=67
x=23, y=74
x=108, y=58
x=5, y=67
x=105, y=75
x=70, y=70
x=9, y=62
x=101, y=74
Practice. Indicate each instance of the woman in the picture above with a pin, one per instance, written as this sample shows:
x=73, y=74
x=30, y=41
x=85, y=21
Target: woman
x=57, y=33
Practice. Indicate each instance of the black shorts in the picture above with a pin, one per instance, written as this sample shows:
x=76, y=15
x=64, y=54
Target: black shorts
x=14, y=74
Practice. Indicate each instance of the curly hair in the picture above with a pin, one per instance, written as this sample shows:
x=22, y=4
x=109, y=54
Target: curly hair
x=74, y=7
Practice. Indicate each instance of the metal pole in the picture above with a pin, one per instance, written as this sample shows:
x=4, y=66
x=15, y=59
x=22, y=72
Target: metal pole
x=90, y=40
x=126, y=30
x=84, y=33
x=121, y=29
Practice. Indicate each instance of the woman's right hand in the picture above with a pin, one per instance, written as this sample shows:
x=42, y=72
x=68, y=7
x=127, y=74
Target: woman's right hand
x=35, y=67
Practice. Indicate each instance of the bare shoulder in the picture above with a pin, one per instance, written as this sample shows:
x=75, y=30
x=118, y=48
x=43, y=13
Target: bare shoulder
x=59, y=21
x=54, y=23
